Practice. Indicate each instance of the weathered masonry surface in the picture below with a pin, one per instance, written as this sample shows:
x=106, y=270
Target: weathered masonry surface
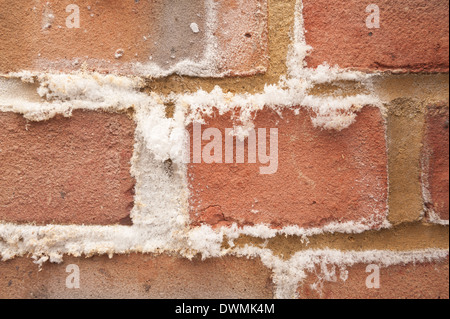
x=98, y=100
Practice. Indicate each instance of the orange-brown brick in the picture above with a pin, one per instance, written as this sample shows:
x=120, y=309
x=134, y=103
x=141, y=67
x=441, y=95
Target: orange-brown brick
x=66, y=170
x=323, y=176
x=413, y=35
x=410, y=281
x=436, y=160
x=138, y=276
x=35, y=35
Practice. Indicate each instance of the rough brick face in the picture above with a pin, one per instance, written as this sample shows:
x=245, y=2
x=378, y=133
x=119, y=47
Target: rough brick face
x=323, y=176
x=96, y=97
x=243, y=40
x=35, y=35
x=413, y=35
x=138, y=276
x=66, y=170
x=405, y=134
x=436, y=160
x=411, y=281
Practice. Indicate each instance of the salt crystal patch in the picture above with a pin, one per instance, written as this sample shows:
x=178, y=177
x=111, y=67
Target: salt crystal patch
x=159, y=139
x=195, y=28
x=288, y=274
x=119, y=53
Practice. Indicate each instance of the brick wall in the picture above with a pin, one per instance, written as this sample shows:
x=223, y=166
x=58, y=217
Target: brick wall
x=224, y=149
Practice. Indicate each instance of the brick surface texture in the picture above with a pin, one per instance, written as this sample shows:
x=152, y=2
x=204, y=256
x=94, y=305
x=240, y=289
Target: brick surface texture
x=66, y=170
x=436, y=160
x=322, y=176
x=318, y=136
x=412, y=35
x=420, y=281
x=140, y=277
x=35, y=35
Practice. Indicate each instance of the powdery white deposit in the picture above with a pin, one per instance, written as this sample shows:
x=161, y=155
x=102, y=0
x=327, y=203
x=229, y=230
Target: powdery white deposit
x=287, y=274
x=160, y=214
x=433, y=217
x=207, y=66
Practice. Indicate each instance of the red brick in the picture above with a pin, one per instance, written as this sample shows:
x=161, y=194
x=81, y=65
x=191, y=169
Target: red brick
x=243, y=37
x=436, y=160
x=413, y=35
x=140, y=277
x=411, y=281
x=66, y=170
x=323, y=175
x=142, y=29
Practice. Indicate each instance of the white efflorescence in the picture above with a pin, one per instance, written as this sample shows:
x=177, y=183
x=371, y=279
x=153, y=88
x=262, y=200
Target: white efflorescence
x=119, y=53
x=64, y=93
x=330, y=265
x=436, y=219
x=194, y=27
x=47, y=17
x=161, y=211
x=433, y=217
x=207, y=66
